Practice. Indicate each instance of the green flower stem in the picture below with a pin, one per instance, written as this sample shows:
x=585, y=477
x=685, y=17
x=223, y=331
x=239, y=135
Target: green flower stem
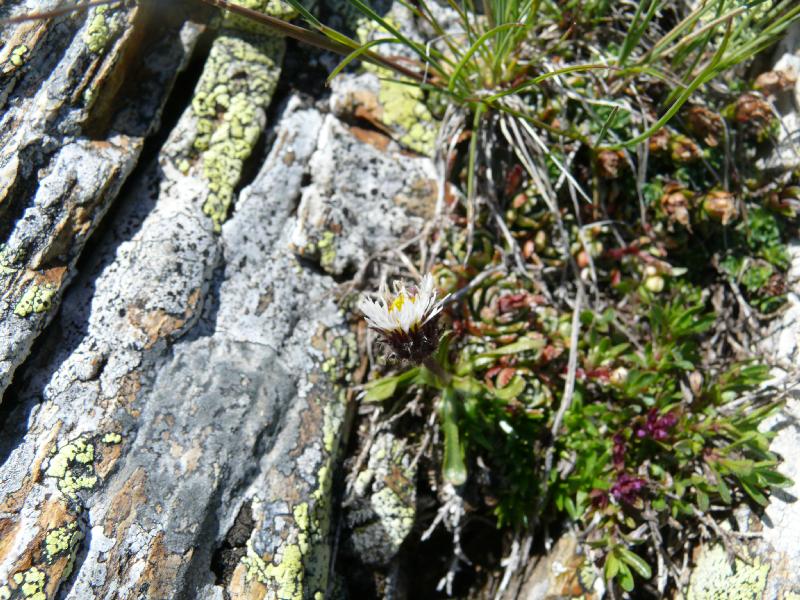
x=454, y=470
x=441, y=374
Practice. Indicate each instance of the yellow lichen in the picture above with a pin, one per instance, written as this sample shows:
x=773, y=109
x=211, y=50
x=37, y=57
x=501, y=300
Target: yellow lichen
x=230, y=102
x=112, y=438
x=37, y=298
x=284, y=575
x=327, y=250
x=714, y=578
x=72, y=466
x=31, y=583
x=62, y=540
x=8, y=260
x=404, y=108
x=17, y=57
x=103, y=26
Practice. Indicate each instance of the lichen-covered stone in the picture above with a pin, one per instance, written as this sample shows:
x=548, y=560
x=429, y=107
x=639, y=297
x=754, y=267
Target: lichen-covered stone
x=384, y=507
x=196, y=371
x=104, y=24
x=361, y=200
x=715, y=578
x=194, y=364
x=63, y=159
x=230, y=102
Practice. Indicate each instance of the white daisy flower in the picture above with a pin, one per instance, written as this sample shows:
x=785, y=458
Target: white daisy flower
x=407, y=319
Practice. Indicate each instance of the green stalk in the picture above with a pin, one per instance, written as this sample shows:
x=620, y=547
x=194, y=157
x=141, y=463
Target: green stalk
x=454, y=471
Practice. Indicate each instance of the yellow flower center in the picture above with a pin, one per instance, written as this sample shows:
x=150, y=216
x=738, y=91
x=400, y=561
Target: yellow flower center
x=399, y=301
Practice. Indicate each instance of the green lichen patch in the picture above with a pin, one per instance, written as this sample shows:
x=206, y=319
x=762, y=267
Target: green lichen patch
x=104, y=25
x=29, y=584
x=112, y=438
x=284, y=575
x=62, y=541
x=274, y=8
x=714, y=578
x=404, y=108
x=229, y=103
x=383, y=509
x=17, y=56
x=341, y=354
x=327, y=250
x=72, y=465
x=9, y=260
x=37, y=298
x=299, y=569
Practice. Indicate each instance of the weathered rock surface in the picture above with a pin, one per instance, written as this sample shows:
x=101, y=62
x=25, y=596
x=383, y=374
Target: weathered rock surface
x=342, y=220
x=78, y=96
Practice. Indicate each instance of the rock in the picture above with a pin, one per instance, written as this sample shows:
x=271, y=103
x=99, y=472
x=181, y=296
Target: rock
x=179, y=401
x=79, y=95
x=196, y=408
x=384, y=502
x=363, y=197
x=176, y=430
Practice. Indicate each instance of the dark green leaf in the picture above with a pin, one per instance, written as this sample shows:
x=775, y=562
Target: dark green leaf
x=637, y=562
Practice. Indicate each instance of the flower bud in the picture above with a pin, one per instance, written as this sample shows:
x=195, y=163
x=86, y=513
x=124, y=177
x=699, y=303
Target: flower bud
x=751, y=108
x=774, y=82
x=618, y=376
x=675, y=202
x=705, y=124
x=684, y=150
x=610, y=163
x=655, y=283
x=720, y=206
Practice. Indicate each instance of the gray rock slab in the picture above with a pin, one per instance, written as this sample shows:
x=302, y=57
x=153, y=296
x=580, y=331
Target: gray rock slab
x=76, y=109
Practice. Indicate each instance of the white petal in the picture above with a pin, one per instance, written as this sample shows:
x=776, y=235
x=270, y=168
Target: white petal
x=376, y=313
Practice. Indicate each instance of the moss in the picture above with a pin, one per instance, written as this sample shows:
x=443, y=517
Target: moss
x=715, y=579
x=230, y=101
x=38, y=298
x=72, y=466
x=103, y=26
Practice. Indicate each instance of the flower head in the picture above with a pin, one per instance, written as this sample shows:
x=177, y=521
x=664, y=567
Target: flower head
x=406, y=319
x=656, y=427
x=627, y=488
